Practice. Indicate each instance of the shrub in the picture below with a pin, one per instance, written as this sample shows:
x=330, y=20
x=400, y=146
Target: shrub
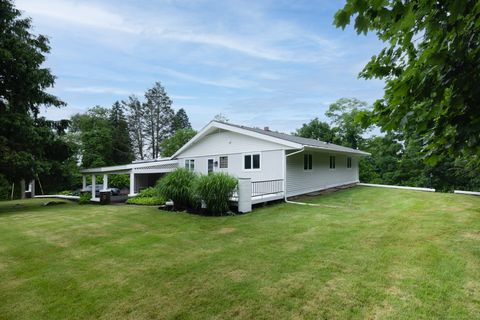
x=178, y=187
x=215, y=190
x=119, y=181
x=146, y=201
x=85, y=198
x=66, y=193
x=147, y=197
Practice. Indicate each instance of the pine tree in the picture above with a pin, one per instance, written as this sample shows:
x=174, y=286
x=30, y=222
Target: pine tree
x=180, y=121
x=121, y=142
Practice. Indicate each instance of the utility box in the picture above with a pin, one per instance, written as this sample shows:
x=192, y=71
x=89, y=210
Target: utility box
x=244, y=195
x=105, y=197
x=28, y=194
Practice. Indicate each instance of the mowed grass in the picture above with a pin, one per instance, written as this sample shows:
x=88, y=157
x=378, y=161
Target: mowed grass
x=363, y=253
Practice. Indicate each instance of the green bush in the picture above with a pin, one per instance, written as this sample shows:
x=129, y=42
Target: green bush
x=178, y=187
x=148, y=193
x=146, y=201
x=216, y=190
x=85, y=198
x=66, y=193
x=119, y=181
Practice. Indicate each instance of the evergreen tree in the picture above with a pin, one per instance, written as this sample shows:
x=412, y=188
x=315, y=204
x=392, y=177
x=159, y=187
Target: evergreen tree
x=180, y=121
x=136, y=125
x=121, y=152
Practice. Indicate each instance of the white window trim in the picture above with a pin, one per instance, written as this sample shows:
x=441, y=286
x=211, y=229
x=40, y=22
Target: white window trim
x=189, y=160
x=251, y=154
x=307, y=170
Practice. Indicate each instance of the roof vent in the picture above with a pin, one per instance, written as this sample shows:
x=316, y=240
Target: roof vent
x=266, y=128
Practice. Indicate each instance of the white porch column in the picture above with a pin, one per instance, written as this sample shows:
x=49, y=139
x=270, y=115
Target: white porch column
x=84, y=182
x=31, y=188
x=132, y=183
x=105, y=182
x=244, y=195
x=93, y=185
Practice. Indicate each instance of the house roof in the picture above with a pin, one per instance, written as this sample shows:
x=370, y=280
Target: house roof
x=307, y=142
x=290, y=141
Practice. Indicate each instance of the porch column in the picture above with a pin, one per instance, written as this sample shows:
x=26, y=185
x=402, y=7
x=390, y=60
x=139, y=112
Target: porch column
x=93, y=185
x=84, y=182
x=31, y=188
x=105, y=182
x=132, y=183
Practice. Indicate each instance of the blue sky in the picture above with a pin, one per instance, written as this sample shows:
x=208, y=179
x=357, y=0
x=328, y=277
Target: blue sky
x=260, y=63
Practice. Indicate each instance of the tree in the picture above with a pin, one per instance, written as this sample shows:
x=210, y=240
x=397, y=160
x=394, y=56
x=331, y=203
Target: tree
x=317, y=130
x=95, y=136
x=136, y=125
x=27, y=142
x=158, y=115
x=431, y=64
x=343, y=115
x=180, y=121
x=221, y=117
x=121, y=152
x=169, y=146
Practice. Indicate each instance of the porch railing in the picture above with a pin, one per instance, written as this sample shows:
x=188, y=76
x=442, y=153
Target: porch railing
x=262, y=188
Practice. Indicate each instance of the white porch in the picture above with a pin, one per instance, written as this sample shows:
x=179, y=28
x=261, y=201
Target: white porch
x=142, y=174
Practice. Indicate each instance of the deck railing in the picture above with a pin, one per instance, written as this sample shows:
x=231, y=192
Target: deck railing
x=262, y=188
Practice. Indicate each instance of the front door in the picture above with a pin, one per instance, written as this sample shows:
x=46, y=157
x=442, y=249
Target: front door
x=210, y=165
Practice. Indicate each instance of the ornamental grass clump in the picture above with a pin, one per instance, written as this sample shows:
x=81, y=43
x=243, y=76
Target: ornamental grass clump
x=215, y=190
x=178, y=187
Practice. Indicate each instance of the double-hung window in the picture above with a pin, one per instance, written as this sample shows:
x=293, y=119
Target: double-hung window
x=190, y=164
x=349, y=162
x=332, y=162
x=251, y=161
x=307, y=162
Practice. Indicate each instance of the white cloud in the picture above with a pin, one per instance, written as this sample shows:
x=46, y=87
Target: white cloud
x=102, y=90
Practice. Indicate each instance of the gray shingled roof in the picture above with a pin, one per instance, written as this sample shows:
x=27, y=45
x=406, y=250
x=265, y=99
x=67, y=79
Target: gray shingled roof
x=300, y=140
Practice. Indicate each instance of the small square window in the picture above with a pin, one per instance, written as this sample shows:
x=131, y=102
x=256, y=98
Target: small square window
x=251, y=161
x=223, y=162
x=190, y=164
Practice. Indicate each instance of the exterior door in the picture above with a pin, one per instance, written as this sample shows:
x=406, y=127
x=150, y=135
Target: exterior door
x=210, y=165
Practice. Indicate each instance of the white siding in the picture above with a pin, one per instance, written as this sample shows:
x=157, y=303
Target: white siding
x=271, y=165
x=321, y=176
x=227, y=142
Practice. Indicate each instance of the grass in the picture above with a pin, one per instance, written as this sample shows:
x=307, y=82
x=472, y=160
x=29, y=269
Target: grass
x=380, y=253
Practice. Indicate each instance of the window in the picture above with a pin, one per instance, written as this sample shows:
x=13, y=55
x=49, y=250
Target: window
x=210, y=164
x=349, y=162
x=251, y=161
x=223, y=162
x=307, y=162
x=332, y=162
x=190, y=164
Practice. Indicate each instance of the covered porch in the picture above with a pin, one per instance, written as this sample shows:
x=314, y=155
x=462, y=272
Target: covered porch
x=143, y=174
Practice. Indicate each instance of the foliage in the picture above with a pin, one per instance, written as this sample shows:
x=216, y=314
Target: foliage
x=169, y=146
x=147, y=201
x=66, y=193
x=317, y=130
x=121, y=152
x=431, y=67
x=85, y=198
x=28, y=144
x=136, y=125
x=159, y=115
x=216, y=189
x=180, y=121
x=119, y=181
x=221, y=118
x=178, y=186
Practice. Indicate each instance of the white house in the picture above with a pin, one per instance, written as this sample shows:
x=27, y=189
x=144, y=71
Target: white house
x=278, y=165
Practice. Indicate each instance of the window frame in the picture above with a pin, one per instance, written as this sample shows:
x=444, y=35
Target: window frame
x=349, y=162
x=213, y=165
x=190, y=164
x=332, y=162
x=220, y=162
x=251, y=154
x=307, y=162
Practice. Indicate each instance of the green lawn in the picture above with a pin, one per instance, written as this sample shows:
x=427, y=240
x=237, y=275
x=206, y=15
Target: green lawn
x=365, y=253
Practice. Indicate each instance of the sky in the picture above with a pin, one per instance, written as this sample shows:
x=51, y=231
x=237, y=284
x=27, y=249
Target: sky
x=260, y=63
